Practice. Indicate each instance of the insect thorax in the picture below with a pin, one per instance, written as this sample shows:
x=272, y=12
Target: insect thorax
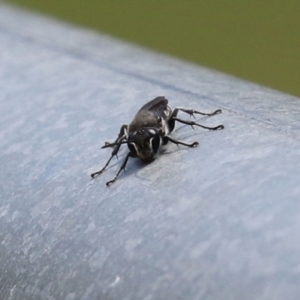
x=150, y=119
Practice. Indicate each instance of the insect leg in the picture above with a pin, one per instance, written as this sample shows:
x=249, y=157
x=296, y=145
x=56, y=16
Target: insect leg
x=116, y=144
x=191, y=112
x=192, y=123
x=108, y=183
x=167, y=139
x=121, y=135
x=114, y=152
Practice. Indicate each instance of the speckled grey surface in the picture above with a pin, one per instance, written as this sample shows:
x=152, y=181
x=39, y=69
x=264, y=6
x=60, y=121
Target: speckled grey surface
x=221, y=221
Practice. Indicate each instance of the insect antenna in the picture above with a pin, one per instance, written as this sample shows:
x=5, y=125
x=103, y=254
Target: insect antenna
x=107, y=145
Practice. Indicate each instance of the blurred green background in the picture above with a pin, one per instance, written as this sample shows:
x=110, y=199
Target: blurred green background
x=258, y=40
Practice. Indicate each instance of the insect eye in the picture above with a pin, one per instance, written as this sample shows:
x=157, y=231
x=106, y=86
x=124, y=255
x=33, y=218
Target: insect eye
x=132, y=149
x=155, y=142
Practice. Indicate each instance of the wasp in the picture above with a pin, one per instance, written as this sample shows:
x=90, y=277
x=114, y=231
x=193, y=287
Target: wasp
x=149, y=130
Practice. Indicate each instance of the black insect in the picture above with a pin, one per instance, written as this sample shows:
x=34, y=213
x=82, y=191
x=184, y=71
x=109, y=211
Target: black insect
x=149, y=130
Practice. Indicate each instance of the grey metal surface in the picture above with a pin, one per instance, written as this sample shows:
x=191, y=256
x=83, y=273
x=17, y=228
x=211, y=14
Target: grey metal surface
x=221, y=221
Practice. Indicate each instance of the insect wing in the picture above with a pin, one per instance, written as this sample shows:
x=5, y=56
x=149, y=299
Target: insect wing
x=157, y=105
